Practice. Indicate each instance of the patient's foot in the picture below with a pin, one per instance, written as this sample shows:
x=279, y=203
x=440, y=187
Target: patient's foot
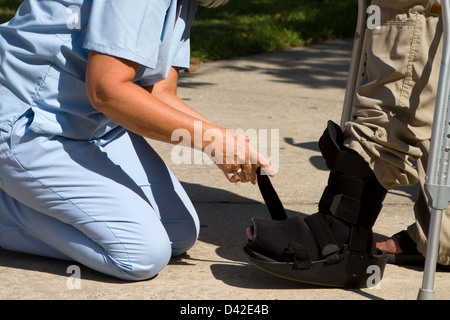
x=389, y=246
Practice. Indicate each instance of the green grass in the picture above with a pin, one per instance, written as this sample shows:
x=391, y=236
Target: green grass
x=244, y=27
x=8, y=8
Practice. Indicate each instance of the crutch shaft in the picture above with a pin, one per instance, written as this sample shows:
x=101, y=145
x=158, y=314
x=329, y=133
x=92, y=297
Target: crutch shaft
x=354, y=63
x=427, y=290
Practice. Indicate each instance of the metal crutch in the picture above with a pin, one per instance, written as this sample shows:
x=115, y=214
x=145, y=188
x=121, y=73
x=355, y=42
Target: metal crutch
x=355, y=62
x=437, y=183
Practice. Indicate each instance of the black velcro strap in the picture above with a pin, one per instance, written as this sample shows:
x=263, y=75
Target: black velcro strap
x=345, y=208
x=352, y=199
x=351, y=186
x=323, y=235
x=342, y=197
x=270, y=197
x=298, y=254
x=348, y=209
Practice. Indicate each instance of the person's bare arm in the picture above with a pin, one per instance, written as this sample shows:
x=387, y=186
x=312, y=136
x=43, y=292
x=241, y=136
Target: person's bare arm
x=110, y=87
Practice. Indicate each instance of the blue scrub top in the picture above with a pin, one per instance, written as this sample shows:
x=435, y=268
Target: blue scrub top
x=44, y=50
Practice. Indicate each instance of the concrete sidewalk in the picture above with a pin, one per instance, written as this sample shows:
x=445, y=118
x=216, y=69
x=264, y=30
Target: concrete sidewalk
x=292, y=93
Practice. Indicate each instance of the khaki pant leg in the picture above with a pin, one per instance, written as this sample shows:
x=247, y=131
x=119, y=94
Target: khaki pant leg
x=394, y=103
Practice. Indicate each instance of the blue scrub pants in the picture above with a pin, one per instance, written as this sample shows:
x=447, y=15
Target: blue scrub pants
x=111, y=204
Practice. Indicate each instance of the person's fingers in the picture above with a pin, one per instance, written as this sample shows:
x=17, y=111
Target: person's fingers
x=267, y=169
x=250, y=172
x=241, y=164
x=234, y=173
x=233, y=177
x=259, y=160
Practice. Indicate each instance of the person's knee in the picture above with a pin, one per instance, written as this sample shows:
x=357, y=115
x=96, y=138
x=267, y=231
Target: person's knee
x=144, y=263
x=147, y=257
x=185, y=238
x=182, y=247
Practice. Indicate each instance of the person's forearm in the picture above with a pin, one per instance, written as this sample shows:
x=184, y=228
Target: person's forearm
x=139, y=111
x=178, y=103
x=149, y=113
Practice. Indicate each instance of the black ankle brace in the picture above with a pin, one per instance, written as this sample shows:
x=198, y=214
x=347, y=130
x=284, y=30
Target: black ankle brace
x=353, y=193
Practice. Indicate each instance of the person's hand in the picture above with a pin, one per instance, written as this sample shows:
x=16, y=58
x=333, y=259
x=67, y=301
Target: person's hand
x=238, y=159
